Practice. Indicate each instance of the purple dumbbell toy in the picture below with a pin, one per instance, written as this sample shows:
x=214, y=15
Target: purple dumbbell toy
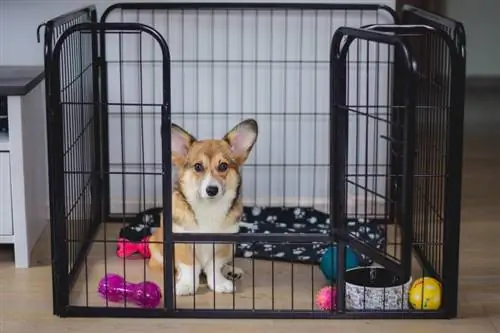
x=114, y=288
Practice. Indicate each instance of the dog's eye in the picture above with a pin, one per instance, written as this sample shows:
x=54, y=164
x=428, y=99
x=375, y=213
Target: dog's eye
x=222, y=167
x=198, y=167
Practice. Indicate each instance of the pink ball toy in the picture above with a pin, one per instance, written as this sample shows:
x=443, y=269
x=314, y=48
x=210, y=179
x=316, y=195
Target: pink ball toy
x=114, y=288
x=325, y=298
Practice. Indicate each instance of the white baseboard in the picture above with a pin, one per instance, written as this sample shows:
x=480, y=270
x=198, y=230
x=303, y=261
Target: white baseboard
x=6, y=239
x=357, y=205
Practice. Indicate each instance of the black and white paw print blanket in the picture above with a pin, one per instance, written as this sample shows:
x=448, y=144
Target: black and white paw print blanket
x=301, y=221
x=277, y=220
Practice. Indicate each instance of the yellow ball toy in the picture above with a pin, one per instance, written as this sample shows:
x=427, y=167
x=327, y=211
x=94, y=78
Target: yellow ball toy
x=425, y=294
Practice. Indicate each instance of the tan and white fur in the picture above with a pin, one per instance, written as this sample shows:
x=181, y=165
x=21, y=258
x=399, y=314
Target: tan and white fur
x=206, y=199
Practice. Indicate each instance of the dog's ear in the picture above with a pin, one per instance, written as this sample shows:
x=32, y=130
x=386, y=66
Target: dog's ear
x=181, y=142
x=242, y=139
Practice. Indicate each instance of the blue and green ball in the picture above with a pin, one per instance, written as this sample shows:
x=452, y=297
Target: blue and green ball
x=328, y=263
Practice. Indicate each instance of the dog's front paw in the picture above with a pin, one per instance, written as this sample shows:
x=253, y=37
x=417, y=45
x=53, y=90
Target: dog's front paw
x=184, y=288
x=232, y=273
x=188, y=280
x=221, y=285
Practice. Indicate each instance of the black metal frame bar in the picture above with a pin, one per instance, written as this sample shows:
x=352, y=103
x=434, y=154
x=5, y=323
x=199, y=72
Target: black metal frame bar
x=338, y=131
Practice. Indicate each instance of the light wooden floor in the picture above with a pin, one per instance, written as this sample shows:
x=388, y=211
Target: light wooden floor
x=26, y=295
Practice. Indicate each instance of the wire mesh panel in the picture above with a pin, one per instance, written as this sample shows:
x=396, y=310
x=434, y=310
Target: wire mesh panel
x=231, y=62
x=439, y=145
x=71, y=140
x=363, y=119
x=422, y=123
x=75, y=118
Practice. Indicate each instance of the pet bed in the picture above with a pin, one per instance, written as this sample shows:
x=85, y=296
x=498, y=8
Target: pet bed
x=287, y=220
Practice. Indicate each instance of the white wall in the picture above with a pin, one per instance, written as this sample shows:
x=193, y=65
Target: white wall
x=480, y=19
x=20, y=18
x=289, y=99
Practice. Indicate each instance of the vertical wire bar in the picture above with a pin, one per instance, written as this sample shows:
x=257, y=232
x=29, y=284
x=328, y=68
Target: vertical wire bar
x=67, y=152
x=360, y=62
x=73, y=147
x=193, y=248
x=67, y=199
x=228, y=68
x=197, y=69
x=212, y=70
x=67, y=182
x=443, y=152
x=434, y=124
x=122, y=145
x=213, y=273
x=445, y=118
x=315, y=108
x=299, y=143
x=212, y=97
x=271, y=36
x=154, y=115
x=431, y=203
x=106, y=199
x=398, y=147
x=73, y=209
x=285, y=106
x=271, y=68
x=427, y=154
x=445, y=155
x=93, y=149
x=357, y=126
x=83, y=146
x=102, y=87
x=84, y=153
x=299, y=137
x=438, y=154
x=89, y=165
x=183, y=64
x=423, y=155
x=368, y=164
x=433, y=131
x=256, y=87
x=378, y=114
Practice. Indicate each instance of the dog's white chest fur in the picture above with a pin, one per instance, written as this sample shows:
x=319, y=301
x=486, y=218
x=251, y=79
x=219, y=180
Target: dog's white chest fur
x=211, y=218
x=211, y=215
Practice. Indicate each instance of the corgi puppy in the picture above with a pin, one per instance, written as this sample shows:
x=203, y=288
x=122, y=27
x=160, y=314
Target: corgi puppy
x=206, y=198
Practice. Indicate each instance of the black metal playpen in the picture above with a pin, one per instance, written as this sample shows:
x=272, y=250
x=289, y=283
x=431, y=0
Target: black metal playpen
x=354, y=182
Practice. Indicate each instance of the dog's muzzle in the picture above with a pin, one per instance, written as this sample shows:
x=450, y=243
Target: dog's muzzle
x=210, y=188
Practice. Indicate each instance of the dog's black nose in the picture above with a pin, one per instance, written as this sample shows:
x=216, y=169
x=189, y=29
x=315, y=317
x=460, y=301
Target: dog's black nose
x=212, y=191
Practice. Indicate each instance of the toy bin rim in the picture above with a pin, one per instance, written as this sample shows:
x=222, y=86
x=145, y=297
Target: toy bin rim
x=353, y=278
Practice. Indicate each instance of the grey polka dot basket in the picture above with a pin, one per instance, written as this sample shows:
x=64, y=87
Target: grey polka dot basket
x=375, y=288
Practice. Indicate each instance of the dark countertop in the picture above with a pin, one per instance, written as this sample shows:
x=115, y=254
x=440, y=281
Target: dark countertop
x=19, y=80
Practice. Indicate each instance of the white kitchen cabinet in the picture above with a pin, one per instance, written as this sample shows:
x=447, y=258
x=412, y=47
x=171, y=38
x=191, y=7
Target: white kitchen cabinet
x=24, y=201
